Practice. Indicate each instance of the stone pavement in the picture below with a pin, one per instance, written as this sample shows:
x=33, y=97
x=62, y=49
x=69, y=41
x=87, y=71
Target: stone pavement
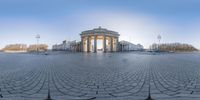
x=101, y=76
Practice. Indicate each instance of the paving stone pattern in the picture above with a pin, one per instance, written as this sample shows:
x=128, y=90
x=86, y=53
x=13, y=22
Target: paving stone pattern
x=101, y=76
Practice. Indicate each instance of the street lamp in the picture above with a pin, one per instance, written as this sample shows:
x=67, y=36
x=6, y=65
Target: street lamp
x=37, y=38
x=159, y=38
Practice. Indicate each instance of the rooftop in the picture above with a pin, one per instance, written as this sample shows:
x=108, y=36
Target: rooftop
x=100, y=30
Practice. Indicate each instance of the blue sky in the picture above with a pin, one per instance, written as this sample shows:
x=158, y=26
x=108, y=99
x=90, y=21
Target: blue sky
x=138, y=21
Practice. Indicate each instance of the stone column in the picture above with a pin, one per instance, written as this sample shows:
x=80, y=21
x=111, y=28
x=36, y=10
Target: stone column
x=104, y=43
x=82, y=44
x=95, y=43
x=88, y=44
x=117, y=45
x=111, y=44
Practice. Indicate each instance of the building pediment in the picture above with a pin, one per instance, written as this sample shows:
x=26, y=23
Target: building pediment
x=100, y=31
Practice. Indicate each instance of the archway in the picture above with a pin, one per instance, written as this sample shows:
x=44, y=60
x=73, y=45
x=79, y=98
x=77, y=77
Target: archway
x=99, y=45
x=99, y=39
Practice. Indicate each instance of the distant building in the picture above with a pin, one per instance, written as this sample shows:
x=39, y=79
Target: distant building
x=61, y=47
x=128, y=46
x=25, y=48
x=39, y=47
x=67, y=46
x=172, y=47
x=15, y=47
x=75, y=46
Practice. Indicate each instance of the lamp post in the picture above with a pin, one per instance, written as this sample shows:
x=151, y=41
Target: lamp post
x=37, y=38
x=159, y=38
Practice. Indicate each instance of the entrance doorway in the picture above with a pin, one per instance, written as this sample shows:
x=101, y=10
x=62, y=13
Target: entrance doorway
x=99, y=45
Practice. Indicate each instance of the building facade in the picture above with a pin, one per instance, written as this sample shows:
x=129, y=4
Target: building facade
x=67, y=46
x=15, y=47
x=37, y=47
x=64, y=46
x=108, y=38
x=128, y=46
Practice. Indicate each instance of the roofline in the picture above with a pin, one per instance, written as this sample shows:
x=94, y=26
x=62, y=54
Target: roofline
x=103, y=29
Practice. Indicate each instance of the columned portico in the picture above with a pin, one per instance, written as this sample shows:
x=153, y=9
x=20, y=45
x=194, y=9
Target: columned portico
x=109, y=40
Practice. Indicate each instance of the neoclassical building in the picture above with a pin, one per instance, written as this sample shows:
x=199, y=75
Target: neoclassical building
x=90, y=40
x=67, y=46
x=128, y=46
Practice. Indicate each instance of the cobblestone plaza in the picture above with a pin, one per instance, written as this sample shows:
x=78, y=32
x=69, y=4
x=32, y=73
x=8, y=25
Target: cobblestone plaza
x=100, y=76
